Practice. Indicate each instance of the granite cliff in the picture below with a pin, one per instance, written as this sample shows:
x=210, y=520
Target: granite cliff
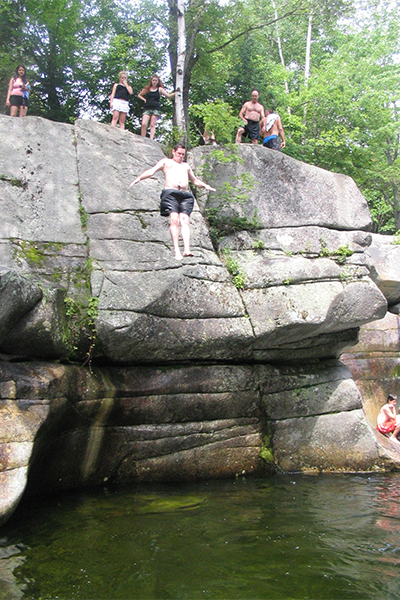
x=119, y=363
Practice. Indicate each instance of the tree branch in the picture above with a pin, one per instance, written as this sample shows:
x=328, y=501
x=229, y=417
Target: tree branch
x=251, y=28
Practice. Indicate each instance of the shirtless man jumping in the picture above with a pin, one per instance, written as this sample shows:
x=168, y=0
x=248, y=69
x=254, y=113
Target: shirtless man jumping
x=271, y=128
x=251, y=113
x=176, y=199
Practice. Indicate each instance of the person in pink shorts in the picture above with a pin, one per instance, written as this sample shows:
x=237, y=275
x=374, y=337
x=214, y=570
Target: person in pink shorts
x=388, y=421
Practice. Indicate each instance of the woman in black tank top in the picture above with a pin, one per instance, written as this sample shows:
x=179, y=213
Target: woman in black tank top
x=119, y=100
x=152, y=108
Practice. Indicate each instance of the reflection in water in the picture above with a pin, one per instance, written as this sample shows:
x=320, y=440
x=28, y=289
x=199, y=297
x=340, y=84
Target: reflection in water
x=329, y=537
x=10, y=559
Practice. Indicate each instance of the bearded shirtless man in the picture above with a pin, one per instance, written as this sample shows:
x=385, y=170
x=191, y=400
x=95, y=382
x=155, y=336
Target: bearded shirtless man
x=271, y=128
x=251, y=113
x=176, y=199
x=388, y=421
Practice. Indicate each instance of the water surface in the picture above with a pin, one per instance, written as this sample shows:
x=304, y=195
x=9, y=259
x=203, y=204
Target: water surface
x=326, y=537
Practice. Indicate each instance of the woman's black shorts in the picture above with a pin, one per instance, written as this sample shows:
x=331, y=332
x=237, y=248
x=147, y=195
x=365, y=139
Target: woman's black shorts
x=19, y=101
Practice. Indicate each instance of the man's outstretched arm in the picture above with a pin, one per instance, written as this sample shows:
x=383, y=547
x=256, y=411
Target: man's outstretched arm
x=149, y=172
x=199, y=183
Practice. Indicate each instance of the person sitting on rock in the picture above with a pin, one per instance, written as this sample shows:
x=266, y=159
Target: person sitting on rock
x=176, y=199
x=388, y=421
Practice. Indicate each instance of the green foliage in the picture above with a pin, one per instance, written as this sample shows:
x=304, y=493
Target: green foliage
x=71, y=307
x=352, y=124
x=324, y=252
x=81, y=318
x=238, y=276
x=11, y=41
x=258, y=245
x=92, y=311
x=31, y=252
x=216, y=117
x=345, y=275
x=266, y=452
x=345, y=117
x=83, y=216
x=340, y=254
x=12, y=181
x=381, y=212
x=135, y=41
x=223, y=225
x=174, y=137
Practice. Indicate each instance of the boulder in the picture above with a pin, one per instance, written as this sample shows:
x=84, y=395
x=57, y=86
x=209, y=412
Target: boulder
x=39, y=184
x=113, y=287
x=374, y=360
x=385, y=268
x=18, y=296
x=80, y=428
x=281, y=191
x=214, y=366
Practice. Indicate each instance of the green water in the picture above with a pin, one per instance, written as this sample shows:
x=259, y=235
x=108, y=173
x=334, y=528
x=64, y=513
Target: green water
x=328, y=537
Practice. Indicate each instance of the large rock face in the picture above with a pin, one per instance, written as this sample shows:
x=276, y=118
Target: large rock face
x=301, y=292
x=220, y=364
x=374, y=361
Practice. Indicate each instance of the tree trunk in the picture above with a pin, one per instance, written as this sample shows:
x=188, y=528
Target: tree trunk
x=180, y=70
x=182, y=55
x=307, y=69
x=396, y=206
x=279, y=41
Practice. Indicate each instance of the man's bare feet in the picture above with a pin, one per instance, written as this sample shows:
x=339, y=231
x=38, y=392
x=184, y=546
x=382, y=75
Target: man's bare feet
x=178, y=256
x=188, y=254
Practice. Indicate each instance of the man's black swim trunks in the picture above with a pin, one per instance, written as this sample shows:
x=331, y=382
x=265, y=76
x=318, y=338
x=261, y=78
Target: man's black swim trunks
x=252, y=130
x=178, y=201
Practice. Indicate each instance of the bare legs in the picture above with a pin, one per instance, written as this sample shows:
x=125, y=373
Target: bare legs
x=239, y=134
x=145, y=121
x=184, y=220
x=118, y=116
x=396, y=432
x=22, y=111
